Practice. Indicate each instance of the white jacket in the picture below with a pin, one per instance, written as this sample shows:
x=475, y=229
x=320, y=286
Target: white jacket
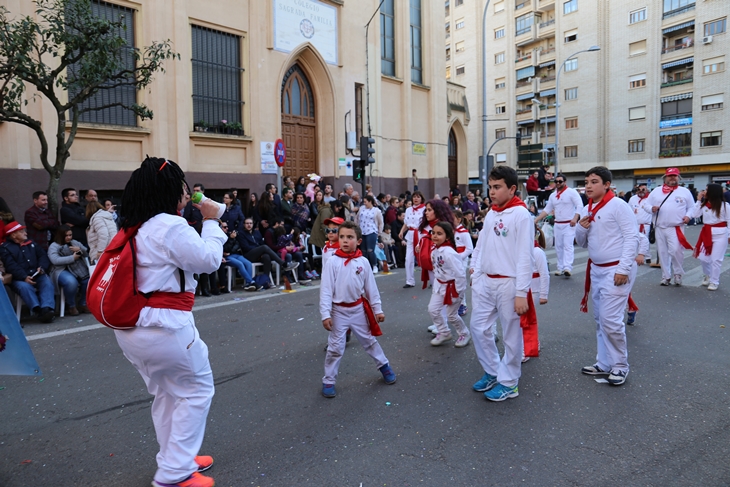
x=101, y=231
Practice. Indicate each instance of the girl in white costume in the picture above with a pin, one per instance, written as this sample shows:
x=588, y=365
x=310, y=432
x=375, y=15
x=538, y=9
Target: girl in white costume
x=713, y=241
x=464, y=247
x=409, y=235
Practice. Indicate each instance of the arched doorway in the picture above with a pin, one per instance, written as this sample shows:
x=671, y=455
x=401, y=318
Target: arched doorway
x=453, y=161
x=298, y=123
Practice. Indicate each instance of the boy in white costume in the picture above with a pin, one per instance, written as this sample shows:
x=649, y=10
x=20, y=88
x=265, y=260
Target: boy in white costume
x=643, y=219
x=608, y=228
x=349, y=298
x=333, y=241
x=501, y=278
x=165, y=346
x=565, y=202
x=409, y=235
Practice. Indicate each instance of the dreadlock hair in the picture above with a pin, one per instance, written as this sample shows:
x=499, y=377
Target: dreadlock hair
x=449, y=231
x=442, y=213
x=157, y=186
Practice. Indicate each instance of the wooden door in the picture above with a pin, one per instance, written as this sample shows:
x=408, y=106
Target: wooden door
x=453, y=162
x=298, y=124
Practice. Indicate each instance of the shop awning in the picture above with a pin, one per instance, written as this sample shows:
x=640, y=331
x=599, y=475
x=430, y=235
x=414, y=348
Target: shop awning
x=526, y=96
x=680, y=62
x=548, y=63
x=550, y=92
x=675, y=132
x=682, y=96
x=678, y=27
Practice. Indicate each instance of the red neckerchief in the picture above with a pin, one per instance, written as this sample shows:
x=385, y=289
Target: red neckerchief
x=515, y=201
x=445, y=244
x=642, y=198
x=348, y=257
x=592, y=211
x=416, y=208
x=424, y=257
x=330, y=245
x=668, y=189
x=537, y=245
x=708, y=205
x=461, y=229
x=560, y=191
x=27, y=242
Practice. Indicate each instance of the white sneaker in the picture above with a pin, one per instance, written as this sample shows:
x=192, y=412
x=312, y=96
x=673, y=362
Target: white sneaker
x=433, y=329
x=712, y=287
x=665, y=282
x=463, y=340
x=441, y=338
x=677, y=280
x=706, y=281
x=558, y=273
x=375, y=270
x=525, y=359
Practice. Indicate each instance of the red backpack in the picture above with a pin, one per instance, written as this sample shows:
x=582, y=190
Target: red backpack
x=112, y=295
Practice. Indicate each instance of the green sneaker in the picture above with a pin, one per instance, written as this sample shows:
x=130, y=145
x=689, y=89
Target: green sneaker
x=501, y=392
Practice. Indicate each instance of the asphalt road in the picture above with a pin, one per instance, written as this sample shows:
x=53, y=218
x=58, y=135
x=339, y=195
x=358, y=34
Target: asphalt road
x=87, y=422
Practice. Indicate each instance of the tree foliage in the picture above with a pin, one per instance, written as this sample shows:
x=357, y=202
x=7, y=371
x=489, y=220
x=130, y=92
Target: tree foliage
x=67, y=55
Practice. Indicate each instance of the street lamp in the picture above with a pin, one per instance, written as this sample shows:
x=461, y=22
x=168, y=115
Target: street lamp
x=485, y=155
x=557, y=104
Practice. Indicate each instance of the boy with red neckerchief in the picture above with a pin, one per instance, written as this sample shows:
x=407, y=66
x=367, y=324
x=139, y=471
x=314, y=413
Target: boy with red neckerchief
x=409, y=235
x=349, y=298
x=501, y=277
x=608, y=229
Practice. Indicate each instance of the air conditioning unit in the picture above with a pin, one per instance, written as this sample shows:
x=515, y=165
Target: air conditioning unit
x=706, y=39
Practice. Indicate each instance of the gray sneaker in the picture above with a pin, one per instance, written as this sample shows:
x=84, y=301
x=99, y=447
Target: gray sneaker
x=441, y=338
x=617, y=378
x=665, y=282
x=291, y=265
x=677, y=280
x=594, y=370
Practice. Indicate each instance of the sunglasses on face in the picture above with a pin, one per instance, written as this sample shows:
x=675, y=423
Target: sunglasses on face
x=559, y=181
x=330, y=230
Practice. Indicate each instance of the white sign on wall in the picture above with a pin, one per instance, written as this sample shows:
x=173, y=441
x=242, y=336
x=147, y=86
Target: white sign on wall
x=300, y=21
x=268, y=163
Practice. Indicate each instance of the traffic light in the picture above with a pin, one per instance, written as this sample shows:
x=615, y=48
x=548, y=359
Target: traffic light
x=518, y=139
x=366, y=150
x=358, y=170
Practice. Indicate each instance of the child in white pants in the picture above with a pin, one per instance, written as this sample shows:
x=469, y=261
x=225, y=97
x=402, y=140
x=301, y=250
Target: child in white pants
x=464, y=247
x=713, y=241
x=540, y=286
x=448, y=286
x=349, y=298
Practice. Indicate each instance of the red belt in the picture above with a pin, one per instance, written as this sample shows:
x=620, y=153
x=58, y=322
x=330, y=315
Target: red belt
x=682, y=239
x=176, y=301
x=374, y=327
x=461, y=250
x=705, y=240
x=497, y=276
x=450, y=291
x=566, y=221
x=641, y=228
x=584, y=301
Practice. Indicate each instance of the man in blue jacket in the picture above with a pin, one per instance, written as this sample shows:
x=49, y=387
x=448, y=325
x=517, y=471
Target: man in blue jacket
x=28, y=264
x=254, y=249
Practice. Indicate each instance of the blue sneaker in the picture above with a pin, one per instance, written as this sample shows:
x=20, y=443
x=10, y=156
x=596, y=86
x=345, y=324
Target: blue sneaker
x=328, y=390
x=500, y=393
x=388, y=374
x=462, y=310
x=632, y=318
x=485, y=383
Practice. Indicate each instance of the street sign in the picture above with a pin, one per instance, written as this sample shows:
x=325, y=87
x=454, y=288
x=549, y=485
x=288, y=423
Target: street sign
x=279, y=152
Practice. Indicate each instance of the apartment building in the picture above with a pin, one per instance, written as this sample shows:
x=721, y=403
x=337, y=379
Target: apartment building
x=254, y=71
x=650, y=98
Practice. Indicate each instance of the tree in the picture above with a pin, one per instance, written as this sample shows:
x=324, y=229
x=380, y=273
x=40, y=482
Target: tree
x=69, y=56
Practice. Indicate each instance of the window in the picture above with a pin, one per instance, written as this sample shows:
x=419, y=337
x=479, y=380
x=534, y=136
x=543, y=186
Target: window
x=459, y=70
x=571, y=64
x=501, y=109
x=500, y=134
x=448, y=52
x=448, y=72
x=715, y=27
x=358, y=110
x=387, y=38
x=500, y=158
x=460, y=24
x=571, y=151
x=416, y=52
x=458, y=3
x=571, y=93
x=714, y=65
x=637, y=81
x=216, y=60
x=636, y=145
x=525, y=72
x=638, y=47
x=675, y=142
x=460, y=46
x=671, y=5
x=447, y=5
x=499, y=33
x=712, y=102
x=448, y=29
x=637, y=16
x=523, y=23
x=570, y=6
x=672, y=110
x=637, y=113
x=571, y=123
x=126, y=95
x=710, y=139
x=498, y=7
x=500, y=83
x=499, y=58
x=571, y=35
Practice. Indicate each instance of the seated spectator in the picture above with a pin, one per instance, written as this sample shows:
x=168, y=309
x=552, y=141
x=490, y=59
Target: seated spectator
x=102, y=229
x=312, y=187
x=271, y=238
x=41, y=224
x=74, y=215
x=388, y=242
x=287, y=198
x=254, y=249
x=28, y=264
x=70, y=271
x=6, y=278
x=232, y=258
x=300, y=213
x=299, y=241
x=233, y=214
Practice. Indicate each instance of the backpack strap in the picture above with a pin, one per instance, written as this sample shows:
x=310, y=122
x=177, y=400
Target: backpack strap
x=182, y=280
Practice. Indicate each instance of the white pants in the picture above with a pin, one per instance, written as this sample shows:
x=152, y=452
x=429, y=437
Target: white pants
x=174, y=365
x=410, y=258
x=712, y=264
x=671, y=253
x=492, y=299
x=609, y=304
x=564, y=236
x=466, y=271
x=436, y=309
x=645, y=236
x=353, y=318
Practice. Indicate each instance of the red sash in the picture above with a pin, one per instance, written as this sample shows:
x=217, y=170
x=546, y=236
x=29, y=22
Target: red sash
x=683, y=240
x=535, y=275
x=374, y=327
x=348, y=257
x=177, y=301
x=424, y=258
x=528, y=323
x=450, y=291
x=705, y=240
x=587, y=288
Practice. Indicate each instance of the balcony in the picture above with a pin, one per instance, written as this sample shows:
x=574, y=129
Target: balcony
x=524, y=61
x=546, y=83
x=681, y=152
x=672, y=82
x=678, y=11
x=523, y=58
x=545, y=55
x=685, y=45
x=526, y=37
x=545, y=5
x=546, y=29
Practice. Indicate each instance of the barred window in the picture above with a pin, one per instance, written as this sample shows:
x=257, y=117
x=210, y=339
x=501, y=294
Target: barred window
x=216, y=78
x=123, y=95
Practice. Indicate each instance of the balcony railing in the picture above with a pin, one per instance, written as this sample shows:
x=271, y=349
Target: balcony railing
x=676, y=116
x=520, y=5
x=523, y=110
x=547, y=79
x=526, y=56
x=681, y=152
x=548, y=23
x=678, y=47
x=669, y=83
x=678, y=11
x=520, y=84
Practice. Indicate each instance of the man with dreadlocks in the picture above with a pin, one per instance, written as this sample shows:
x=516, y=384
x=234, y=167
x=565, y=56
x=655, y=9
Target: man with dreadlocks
x=165, y=346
